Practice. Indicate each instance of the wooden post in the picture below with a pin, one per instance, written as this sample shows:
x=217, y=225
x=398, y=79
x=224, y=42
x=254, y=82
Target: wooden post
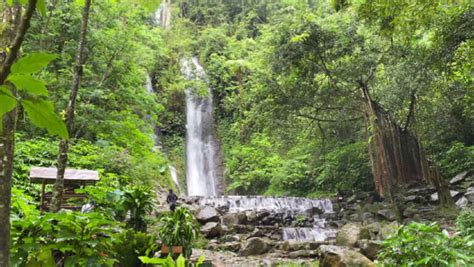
x=42, y=195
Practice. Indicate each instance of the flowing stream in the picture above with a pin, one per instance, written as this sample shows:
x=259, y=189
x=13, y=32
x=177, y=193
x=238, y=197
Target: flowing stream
x=203, y=159
x=316, y=209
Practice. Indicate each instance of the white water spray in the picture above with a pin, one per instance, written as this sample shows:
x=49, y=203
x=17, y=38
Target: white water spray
x=201, y=146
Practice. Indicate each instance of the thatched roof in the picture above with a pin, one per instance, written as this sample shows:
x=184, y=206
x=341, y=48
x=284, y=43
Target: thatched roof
x=71, y=176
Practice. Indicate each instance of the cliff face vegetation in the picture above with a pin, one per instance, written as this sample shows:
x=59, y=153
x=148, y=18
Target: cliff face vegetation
x=308, y=98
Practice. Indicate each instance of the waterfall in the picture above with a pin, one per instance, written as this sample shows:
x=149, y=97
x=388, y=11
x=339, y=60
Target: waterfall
x=292, y=207
x=201, y=144
x=162, y=16
x=307, y=234
x=286, y=205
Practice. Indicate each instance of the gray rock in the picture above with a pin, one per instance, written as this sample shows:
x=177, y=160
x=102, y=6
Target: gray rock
x=234, y=218
x=334, y=256
x=434, y=196
x=370, y=248
x=302, y=254
x=256, y=233
x=367, y=218
x=255, y=246
x=388, y=230
x=470, y=195
x=350, y=233
x=458, y=178
x=230, y=246
x=212, y=229
x=410, y=211
x=207, y=214
x=387, y=214
x=251, y=216
x=462, y=202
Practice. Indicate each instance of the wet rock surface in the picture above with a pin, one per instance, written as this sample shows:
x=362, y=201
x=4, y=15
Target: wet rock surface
x=260, y=231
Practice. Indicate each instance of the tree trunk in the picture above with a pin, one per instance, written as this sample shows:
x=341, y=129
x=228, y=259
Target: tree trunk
x=64, y=144
x=13, y=38
x=396, y=155
x=7, y=143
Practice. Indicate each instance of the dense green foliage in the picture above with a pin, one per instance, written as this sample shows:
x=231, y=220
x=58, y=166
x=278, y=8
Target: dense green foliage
x=286, y=77
x=178, y=228
x=419, y=244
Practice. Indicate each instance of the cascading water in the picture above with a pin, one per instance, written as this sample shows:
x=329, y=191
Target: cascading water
x=163, y=15
x=286, y=205
x=201, y=144
x=316, y=209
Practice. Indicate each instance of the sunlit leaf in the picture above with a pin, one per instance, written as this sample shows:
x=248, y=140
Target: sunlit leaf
x=32, y=63
x=41, y=114
x=41, y=6
x=7, y=102
x=28, y=84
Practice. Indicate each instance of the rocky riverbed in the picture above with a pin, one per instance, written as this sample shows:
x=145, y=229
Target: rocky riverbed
x=264, y=231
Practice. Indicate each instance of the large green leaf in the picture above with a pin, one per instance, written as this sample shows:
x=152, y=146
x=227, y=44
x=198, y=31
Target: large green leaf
x=32, y=63
x=7, y=102
x=41, y=113
x=29, y=84
x=41, y=6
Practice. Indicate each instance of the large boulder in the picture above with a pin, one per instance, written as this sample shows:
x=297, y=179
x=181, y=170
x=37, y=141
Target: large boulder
x=434, y=196
x=255, y=246
x=234, y=218
x=470, y=194
x=370, y=248
x=350, y=233
x=387, y=214
x=212, y=229
x=462, y=202
x=458, y=178
x=334, y=256
x=207, y=214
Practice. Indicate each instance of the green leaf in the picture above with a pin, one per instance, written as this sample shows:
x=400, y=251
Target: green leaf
x=10, y=2
x=32, y=63
x=29, y=84
x=80, y=3
x=148, y=260
x=7, y=102
x=41, y=6
x=41, y=114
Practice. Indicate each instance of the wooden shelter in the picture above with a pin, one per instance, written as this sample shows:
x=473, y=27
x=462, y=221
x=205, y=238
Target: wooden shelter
x=72, y=179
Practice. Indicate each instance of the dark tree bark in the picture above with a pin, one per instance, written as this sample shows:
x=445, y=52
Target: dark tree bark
x=14, y=38
x=64, y=144
x=396, y=155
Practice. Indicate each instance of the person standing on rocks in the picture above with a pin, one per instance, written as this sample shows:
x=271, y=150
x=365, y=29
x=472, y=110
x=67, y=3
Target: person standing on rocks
x=171, y=200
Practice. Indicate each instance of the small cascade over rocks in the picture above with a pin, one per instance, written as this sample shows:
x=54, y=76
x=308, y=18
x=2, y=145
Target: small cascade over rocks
x=308, y=234
x=285, y=205
x=294, y=219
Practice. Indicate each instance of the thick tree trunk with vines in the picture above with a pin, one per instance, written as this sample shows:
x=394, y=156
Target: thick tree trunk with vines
x=396, y=155
x=56, y=201
x=15, y=26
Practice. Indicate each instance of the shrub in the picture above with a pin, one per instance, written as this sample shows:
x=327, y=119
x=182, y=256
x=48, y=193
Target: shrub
x=178, y=228
x=138, y=202
x=72, y=239
x=465, y=222
x=457, y=159
x=346, y=169
x=418, y=244
x=129, y=245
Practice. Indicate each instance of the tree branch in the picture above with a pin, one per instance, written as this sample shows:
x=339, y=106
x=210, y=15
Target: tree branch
x=20, y=36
